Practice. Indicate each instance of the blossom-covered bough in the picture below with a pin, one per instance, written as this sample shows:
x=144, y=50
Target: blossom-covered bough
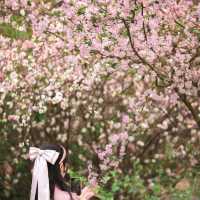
x=119, y=79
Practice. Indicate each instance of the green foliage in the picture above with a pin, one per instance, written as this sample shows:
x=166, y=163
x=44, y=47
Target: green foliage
x=7, y=30
x=75, y=159
x=19, y=178
x=39, y=117
x=115, y=184
x=19, y=19
x=98, y=127
x=81, y=10
x=181, y=195
x=24, y=179
x=105, y=195
x=3, y=150
x=77, y=176
x=169, y=151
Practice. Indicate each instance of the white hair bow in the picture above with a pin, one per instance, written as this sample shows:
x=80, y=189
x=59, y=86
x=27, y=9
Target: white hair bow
x=40, y=175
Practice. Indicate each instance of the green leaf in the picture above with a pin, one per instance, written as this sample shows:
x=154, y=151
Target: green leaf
x=2, y=122
x=105, y=195
x=77, y=176
x=105, y=179
x=115, y=187
x=39, y=117
x=156, y=189
x=17, y=18
x=97, y=130
x=81, y=10
x=124, y=32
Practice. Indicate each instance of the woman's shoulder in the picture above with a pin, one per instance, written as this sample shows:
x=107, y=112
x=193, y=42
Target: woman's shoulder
x=62, y=195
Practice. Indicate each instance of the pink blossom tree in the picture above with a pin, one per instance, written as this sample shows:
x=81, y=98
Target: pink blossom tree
x=119, y=79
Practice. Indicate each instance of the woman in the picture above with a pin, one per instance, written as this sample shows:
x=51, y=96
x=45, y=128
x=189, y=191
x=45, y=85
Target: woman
x=48, y=182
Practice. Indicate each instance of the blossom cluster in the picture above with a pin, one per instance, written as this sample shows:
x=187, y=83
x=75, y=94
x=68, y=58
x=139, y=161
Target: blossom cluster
x=117, y=78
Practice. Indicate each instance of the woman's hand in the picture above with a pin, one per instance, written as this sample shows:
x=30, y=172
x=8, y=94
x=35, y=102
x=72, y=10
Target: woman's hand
x=88, y=192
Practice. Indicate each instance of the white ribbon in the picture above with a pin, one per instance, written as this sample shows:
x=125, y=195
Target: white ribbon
x=40, y=175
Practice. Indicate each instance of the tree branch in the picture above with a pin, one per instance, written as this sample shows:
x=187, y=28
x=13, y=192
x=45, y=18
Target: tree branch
x=143, y=60
x=184, y=99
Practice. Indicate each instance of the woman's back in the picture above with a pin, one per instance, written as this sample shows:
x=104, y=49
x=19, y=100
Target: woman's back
x=62, y=195
x=86, y=194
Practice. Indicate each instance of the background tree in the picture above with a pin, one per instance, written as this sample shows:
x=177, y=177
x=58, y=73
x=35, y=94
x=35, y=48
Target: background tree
x=116, y=82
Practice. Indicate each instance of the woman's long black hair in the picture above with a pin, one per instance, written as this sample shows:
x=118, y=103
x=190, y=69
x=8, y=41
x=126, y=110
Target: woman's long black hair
x=55, y=177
